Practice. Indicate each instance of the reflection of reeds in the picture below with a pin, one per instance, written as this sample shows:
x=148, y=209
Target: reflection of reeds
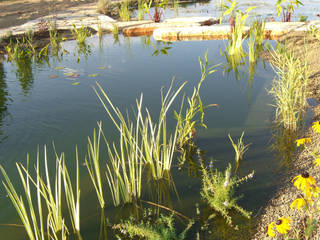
x=289, y=89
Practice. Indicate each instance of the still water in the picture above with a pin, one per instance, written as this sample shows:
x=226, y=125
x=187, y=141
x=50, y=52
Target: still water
x=55, y=102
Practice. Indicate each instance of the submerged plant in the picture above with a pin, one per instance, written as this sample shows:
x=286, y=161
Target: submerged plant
x=218, y=191
x=161, y=229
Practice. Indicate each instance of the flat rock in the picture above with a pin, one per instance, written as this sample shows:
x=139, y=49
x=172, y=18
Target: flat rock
x=147, y=28
x=192, y=20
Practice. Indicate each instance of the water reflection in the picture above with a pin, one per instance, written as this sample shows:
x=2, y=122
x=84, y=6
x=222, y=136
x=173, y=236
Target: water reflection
x=283, y=145
x=24, y=73
x=159, y=47
x=3, y=97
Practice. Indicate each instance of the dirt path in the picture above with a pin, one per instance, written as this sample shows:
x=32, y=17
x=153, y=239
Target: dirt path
x=17, y=12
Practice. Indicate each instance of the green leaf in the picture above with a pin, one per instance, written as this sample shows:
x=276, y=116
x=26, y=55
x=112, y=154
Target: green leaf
x=69, y=74
x=58, y=68
x=75, y=83
x=93, y=75
x=103, y=67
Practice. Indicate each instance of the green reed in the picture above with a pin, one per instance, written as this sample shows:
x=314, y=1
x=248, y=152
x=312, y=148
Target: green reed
x=92, y=161
x=239, y=148
x=124, y=11
x=80, y=34
x=188, y=121
x=73, y=199
x=141, y=10
x=289, y=88
x=35, y=223
x=151, y=141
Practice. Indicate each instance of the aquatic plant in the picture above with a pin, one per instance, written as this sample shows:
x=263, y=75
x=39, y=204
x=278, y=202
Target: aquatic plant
x=257, y=30
x=187, y=122
x=73, y=199
x=288, y=10
x=152, y=138
x=80, y=34
x=218, y=191
x=161, y=229
x=124, y=172
x=32, y=218
x=239, y=148
x=289, y=88
x=92, y=161
x=141, y=9
x=124, y=11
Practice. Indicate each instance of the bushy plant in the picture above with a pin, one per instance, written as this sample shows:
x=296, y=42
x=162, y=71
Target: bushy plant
x=218, y=191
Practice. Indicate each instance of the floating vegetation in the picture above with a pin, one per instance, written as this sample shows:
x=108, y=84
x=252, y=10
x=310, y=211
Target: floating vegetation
x=93, y=75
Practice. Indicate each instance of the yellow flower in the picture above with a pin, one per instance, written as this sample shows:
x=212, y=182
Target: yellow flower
x=317, y=161
x=302, y=141
x=299, y=203
x=283, y=225
x=305, y=182
x=316, y=127
x=271, y=231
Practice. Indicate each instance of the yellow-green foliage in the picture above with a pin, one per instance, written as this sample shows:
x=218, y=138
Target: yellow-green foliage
x=289, y=88
x=160, y=229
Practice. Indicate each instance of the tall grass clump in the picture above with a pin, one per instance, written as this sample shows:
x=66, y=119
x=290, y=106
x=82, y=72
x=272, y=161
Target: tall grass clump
x=124, y=11
x=92, y=161
x=257, y=29
x=188, y=121
x=80, y=34
x=144, y=136
x=289, y=88
x=48, y=200
x=141, y=10
x=124, y=172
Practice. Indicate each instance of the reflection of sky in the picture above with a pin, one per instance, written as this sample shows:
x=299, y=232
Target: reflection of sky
x=264, y=8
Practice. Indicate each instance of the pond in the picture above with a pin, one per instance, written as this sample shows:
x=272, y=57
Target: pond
x=54, y=101
x=310, y=9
